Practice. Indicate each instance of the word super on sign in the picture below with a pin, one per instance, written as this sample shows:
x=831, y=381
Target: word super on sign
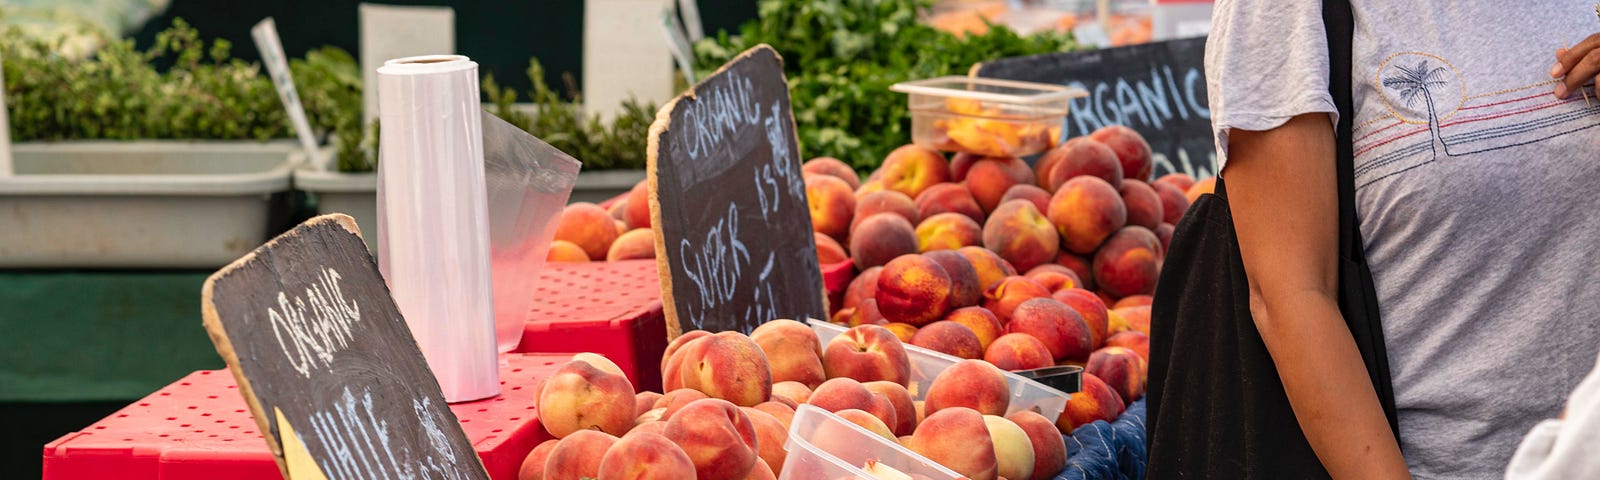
x=729, y=202
x=324, y=360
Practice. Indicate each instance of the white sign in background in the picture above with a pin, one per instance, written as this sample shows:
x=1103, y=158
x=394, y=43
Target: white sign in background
x=390, y=32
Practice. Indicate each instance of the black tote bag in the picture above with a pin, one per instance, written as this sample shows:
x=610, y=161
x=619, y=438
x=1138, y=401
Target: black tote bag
x=1216, y=406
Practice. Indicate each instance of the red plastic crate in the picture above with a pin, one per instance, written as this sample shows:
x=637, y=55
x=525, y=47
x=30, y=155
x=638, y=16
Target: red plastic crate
x=609, y=308
x=199, y=429
x=835, y=279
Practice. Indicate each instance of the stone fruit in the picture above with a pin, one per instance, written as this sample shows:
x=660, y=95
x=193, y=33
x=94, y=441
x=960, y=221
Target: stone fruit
x=1085, y=211
x=1021, y=235
x=1061, y=329
x=957, y=438
x=913, y=289
x=718, y=438
x=949, y=338
x=589, y=227
x=792, y=350
x=1129, y=263
x=645, y=456
x=578, y=456
x=881, y=238
x=973, y=384
x=1143, y=203
x=1019, y=351
x=866, y=353
x=1132, y=151
x=582, y=397
x=948, y=231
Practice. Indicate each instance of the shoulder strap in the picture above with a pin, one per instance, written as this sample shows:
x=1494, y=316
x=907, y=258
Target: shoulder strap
x=1358, y=296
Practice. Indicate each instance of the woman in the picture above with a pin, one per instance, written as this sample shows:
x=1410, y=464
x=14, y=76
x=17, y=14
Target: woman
x=1475, y=165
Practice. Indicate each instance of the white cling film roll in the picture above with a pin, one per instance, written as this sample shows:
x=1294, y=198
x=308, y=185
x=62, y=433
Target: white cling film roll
x=433, y=223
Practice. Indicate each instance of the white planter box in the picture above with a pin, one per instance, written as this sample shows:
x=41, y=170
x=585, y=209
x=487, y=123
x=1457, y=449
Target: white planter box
x=163, y=204
x=601, y=185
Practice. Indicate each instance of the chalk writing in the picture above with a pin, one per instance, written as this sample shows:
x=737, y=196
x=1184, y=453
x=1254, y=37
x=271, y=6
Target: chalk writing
x=716, y=266
x=1149, y=102
x=312, y=327
x=357, y=439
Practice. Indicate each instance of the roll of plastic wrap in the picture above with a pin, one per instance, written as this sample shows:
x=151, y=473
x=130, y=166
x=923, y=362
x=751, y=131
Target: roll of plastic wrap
x=433, y=222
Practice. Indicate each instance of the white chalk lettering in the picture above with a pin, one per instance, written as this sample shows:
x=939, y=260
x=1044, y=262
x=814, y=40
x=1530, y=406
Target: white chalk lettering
x=715, y=266
x=312, y=327
x=347, y=432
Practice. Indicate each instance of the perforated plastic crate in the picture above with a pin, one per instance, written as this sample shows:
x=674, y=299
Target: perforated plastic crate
x=199, y=429
x=609, y=308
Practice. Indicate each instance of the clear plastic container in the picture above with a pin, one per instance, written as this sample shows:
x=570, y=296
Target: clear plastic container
x=1026, y=394
x=989, y=117
x=823, y=446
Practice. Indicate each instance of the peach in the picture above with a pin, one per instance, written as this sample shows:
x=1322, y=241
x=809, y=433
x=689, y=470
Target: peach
x=1021, y=235
x=981, y=321
x=1053, y=277
x=948, y=231
x=582, y=397
x=871, y=186
x=866, y=353
x=900, y=400
x=1085, y=211
x=589, y=227
x=902, y=331
x=842, y=316
x=1132, y=151
x=832, y=204
x=762, y=472
x=1201, y=187
x=863, y=287
x=1082, y=156
x=637, y=244
x=832, y=167
x=1031, y=193
x=866, y=314
x=564, y=251
x=1143, y=204
x=618, y=210
x=829, y=251
x=637, y=211
x=718, y=437
x=652, y=415
x=1061, y=329
x=913, y=289
x=950, y=338
x=771, y=435
x=645, y=456
x=729, y=366
x=1049, y=451
x=957, y=438
x=964, y=288
x=796, y=391
x=873, y=203
x=792, y=350
x=1116, y=323
x=1088, y=306
x=783, y=400
x=1083, y=267
x=1173, y=202
x=1008, y=293
x=880, y=238
x=960, y=163
x=784, y=413
x=622, y=227
x=1013, y=450
x=845, y=393
x=1137, y=316
x=532, y=467
x=598, y=361
x=974, y=384
x=658, y=427
x=990, y=178
x=1133, y=301
x=1018, y=351
x=867, y=421
x=1133, y=340
x=990, y=267
x=1095, y=401
x=1164, y=233
x=948, y=198
x=678, y=343
x=576, y=456
x=911, y=169
x=675, y=400
x=1121, y=368
x=644, y=402
x=1129, y=263
x=1180, y=181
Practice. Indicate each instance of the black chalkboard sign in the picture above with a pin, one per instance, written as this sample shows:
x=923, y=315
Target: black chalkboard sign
x=327, y=364
x=1157, y=89
x=733, y=232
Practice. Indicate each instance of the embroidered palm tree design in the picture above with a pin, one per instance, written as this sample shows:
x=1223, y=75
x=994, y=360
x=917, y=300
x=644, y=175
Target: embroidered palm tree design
x=1418, y=83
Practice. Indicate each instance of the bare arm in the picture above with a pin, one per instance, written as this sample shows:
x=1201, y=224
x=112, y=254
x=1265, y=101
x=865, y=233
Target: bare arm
x=1285, y=209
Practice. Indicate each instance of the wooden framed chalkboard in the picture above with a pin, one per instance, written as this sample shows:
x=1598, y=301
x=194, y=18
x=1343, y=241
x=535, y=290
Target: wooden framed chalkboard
x=733, y=233
x=328, y=365
x=1157, y=89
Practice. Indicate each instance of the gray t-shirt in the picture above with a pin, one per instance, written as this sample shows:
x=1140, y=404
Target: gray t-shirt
x=1478, y=193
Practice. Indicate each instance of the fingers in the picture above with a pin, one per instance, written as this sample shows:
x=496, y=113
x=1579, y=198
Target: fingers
x=1586, y=69
x=1566, y=58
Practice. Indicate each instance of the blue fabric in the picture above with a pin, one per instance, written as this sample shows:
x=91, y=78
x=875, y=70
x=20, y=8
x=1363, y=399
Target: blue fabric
x=1108, y=451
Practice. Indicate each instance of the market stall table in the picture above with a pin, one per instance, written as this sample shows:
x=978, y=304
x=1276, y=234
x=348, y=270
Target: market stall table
x=199, y=429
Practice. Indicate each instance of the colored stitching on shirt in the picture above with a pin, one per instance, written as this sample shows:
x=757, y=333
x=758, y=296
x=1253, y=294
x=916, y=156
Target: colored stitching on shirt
x=1392, y=157
x=1516, y=128
x=1507, y=114
x=1375, y=132
x=1514, y=100
x=1386, y=142
x=1510, y=90
x=1370, y=122
x=1377, y=79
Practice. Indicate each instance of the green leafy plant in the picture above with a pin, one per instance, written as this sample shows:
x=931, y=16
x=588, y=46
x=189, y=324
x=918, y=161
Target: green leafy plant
x=841, y=56
x=619, y=144
x=328, y=81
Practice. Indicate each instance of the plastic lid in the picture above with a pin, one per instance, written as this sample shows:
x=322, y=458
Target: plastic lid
x=989, y=89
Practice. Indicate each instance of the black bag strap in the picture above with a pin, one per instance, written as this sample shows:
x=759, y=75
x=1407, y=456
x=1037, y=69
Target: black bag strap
x=1358, y=296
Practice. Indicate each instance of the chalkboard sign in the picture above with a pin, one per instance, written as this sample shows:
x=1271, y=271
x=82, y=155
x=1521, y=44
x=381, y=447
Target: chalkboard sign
x=307, y=326
x=1157, y=89
x=733, y=233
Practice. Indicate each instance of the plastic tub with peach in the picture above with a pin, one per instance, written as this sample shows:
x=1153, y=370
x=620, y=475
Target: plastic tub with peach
x=989, y=117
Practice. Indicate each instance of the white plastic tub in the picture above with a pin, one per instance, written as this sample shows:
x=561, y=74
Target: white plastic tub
x=353, y=194
x=823, y=446
x=141, y=204
x=1026, y=394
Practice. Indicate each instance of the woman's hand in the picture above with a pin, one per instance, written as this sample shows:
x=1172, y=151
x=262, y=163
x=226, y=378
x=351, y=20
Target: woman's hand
x=1576, y=66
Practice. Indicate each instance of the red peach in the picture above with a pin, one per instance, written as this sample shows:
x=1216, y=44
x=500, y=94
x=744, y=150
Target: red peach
x=589, y=227
x=981, y=321
x=1121, y=368
x=718, y=437
x=1136, y=341
x=1018, y=351
x=832, y=205
x=1088, y=306
x=866, y=353
x=844, y=393
x=644, y=402
x=990, y=267
x=1054, y=277
x=729, y=366
x=1008, y=293
x=1083, y=267
x=911, y=169
x=873, y=203
x=1013, y=450
x=1164, y=233
x=902, y=331
x=1137, y=316
x=637, y=244
x=1085, y=211
x=1095, y=401
x=795, y=391
x=1143, y=204
x=1038, y=196
x=950, y=338
x=792, y=350
x=957, y=438
x=1061, y=329
x=658, y=427
x=1173, y=202
x=771, y=434
x=964, y=288
x=1132, y=151
x=575, y=457
x=866, y=314
x=990, y=178
x=637, y=211
x=960, y=163
x=564, y=251
x=1078, y=157
x=829, y=251
x=974, y=384
x=1133, y=301
x=880, y=238
x=532, y=467
x=1129, y=263
x=1180, y=181
x=580, y=396
x=1021, y=235
x=900, y=399
x=783, y=412
x=645, y=456
x=863, y=287
x=676, y=399
x=1049, y=451
x=948, y=198
x=913, y=289
x=832, y=167
x=1202, y=187
x=947, y=231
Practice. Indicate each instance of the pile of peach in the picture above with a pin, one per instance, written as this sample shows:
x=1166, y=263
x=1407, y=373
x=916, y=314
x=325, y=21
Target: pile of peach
x=730, y=400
